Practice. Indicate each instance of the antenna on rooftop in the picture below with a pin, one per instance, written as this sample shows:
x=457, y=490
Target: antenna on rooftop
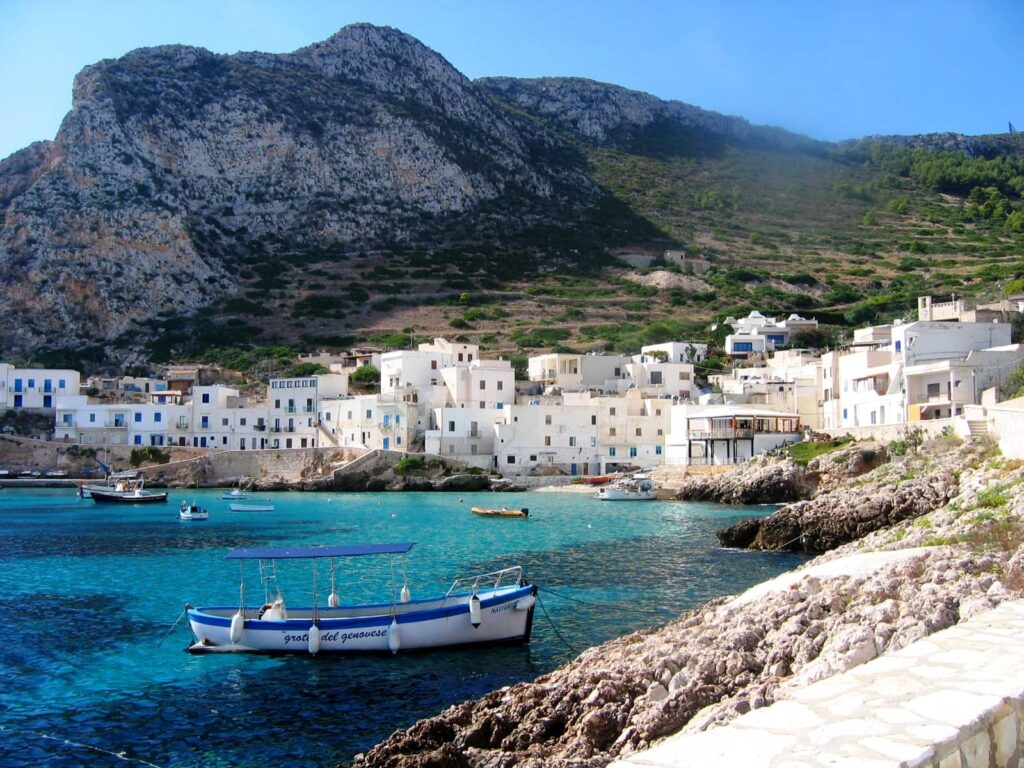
x=1011, y=128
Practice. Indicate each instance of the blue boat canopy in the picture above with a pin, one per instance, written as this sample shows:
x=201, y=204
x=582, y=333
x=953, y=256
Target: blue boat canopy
x=288, y=553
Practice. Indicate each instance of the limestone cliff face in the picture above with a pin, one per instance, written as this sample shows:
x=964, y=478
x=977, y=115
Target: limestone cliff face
x=175, y=164
x=179, y=170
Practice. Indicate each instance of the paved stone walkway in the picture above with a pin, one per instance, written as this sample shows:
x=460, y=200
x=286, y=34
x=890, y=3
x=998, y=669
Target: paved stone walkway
x=952, y=700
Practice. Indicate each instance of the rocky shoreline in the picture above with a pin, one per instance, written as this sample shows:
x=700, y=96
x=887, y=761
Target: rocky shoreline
x=927, y=565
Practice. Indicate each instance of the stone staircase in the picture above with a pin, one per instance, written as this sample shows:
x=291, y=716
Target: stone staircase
x=977, y=428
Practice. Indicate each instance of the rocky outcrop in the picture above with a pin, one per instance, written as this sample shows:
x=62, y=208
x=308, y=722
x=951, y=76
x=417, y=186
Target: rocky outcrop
x=709, y=666
x=762, y=480
x=896, y=492
x=776, y=478
x=738, y=654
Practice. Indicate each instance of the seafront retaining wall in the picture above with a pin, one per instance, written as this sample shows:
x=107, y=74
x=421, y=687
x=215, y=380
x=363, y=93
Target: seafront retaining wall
x=886, y=433
x=953, y=699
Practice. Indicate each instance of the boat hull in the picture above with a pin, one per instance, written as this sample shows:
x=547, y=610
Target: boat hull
x=117, y=497
x=615, y=494
x=506, y=615
x=485, y=512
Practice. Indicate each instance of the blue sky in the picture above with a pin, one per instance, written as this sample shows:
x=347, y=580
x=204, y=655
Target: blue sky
x=831, y=69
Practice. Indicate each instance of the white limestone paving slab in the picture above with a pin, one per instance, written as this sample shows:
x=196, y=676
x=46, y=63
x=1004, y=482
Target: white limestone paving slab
x=891, y=712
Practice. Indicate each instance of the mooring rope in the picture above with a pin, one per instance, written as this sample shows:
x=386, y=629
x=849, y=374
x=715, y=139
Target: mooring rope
x=119, y=755
x=554, y=627
x=174, y=626
x=608, y=606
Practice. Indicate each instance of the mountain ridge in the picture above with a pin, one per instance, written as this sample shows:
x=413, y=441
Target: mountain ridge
x=191, y=198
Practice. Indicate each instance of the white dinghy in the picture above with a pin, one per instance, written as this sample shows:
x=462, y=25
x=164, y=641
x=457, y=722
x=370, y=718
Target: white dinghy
x=490, y=608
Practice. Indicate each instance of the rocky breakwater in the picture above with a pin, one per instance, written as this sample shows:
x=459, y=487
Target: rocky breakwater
x=852, y=500
x=736, y=654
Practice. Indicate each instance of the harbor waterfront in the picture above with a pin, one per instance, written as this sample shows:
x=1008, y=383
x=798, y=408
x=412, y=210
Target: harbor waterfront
x=95, y=674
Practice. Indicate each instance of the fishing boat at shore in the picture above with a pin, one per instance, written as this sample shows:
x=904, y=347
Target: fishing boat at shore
x=125, y=492
x=111, y=483
x=251, y=507
x=192, y=512
x=503, y=512
x=635, y=488
x=493, y=607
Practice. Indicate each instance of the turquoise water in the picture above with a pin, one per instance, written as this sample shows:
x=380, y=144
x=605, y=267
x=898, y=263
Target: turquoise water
x=88, y=594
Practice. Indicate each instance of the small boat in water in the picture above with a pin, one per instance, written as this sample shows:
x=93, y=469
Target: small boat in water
x=503, y=512
x=114, y=481
x=251, y=507
x=490, y=608
x=192, y=512
x=629, y=489
x=126, y=492
x=236, y=493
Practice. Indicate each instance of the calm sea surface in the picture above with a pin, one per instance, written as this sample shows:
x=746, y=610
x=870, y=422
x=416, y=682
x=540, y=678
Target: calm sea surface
x=88, y=593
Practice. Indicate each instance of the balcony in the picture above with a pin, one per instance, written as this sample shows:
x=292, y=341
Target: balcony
x=721, y=434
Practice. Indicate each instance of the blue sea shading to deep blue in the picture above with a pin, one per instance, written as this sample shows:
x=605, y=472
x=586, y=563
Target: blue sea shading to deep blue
x=89, y=592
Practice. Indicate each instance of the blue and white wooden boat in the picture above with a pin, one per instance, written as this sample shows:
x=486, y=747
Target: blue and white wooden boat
x=490, y=608
x=192, y=512
x=235, y=493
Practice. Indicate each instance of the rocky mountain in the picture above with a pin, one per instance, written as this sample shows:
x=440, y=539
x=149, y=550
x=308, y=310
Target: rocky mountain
x=193, y=201
x=179, y=175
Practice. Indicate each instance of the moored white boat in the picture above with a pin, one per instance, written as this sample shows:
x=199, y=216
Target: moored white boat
x=192, y=512
x=629, y=489
x=235, y=493
x=490, y=608
x=251, y=507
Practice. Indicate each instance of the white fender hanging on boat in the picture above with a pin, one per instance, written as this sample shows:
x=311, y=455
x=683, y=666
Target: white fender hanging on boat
x=525, y=603
x=314, y=639
x=405, y=593
x=474, y=611
x=332, y=601
x=394, y=637
x=237, y=627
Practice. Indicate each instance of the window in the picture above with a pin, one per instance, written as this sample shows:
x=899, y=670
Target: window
x=933, y=390
x=451, y=426
x=138, y=418
x=639, y=431
x=874, y=417
x=158, y=417
x=611, y=431
x=369, y=413
x=460, y=357
x=138, y=439
x=593, y=420
x=224, y=440
x=67, y=419
x=844, y=413
x=501, y=385
x=547, y=419
x=632, y=451
x=433, y=365
x=572, y=442
x=547, y=439
x=611, y=411
x=206, y=397
x=899, y=344
x=533, y=457
x=483, y=384
x=277, y=403
x=660, y=432
x=241, y=422
x=684, y=376
x=61, y=384
x=656, y=377
x=743, y=346
x=511, y=459
x=470, y=357
x=206, y=422
x=657, y=450
x=31, y=383
x=618, y=372
x=611, y=451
